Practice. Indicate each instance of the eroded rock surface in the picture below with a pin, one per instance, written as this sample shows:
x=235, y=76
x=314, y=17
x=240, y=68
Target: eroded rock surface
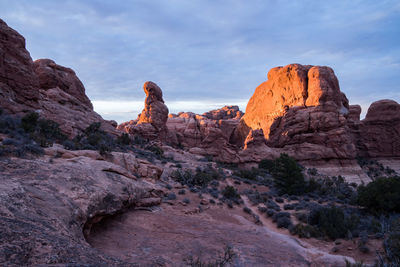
x=207, y=134
x=18, y=82
x=379, y=132
x=45, y=204
x=52, y=75
x=151, y=122
x=53, y=90
x=302, y=112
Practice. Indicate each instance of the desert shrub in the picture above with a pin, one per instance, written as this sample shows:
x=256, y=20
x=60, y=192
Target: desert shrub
x=181, y=192
x=42, y=131
x=267, y=164
x=247, y=210
x=247, y=174
x=230, y=192
x=272, y=205
x=9, y=124
x=256, y=197
x=29, y=122
x=93, y=138
x=304, y=230
x=381, y=195
x=157, y=151
x=391, y=244
x=282, y=219
x=312, y=171
x=288, y=176
x=331, y=221
x=223, y=259
x=201, y=177
x=170, y=196
x=124, y=139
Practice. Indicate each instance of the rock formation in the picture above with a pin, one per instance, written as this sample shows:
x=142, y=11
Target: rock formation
x=18, y=82
x=206, y=134
x=52, y=75
x=43, y=86
x=379, y=132
x=151, y=122
x=301, y=111
x=48, y=206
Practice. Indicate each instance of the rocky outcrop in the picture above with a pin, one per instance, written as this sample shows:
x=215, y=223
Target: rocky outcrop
x=48, y=205
x=52, y=75
x=205, y=134
x=379, y=132
x=302, y=112
x=224, y=113
x=18, y=82
x=151, y=122
x=43, y=86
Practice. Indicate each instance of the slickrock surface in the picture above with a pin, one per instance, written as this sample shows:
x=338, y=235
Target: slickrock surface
x=151, y=122
x=166, y=235
x=46, y=202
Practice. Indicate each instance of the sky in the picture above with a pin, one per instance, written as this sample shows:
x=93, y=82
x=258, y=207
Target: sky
x=210, y=53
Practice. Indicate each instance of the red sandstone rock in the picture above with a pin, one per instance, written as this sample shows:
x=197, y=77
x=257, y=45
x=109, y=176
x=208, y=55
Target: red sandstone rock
x=380, y=130
x=52, y=75
x=151, y=122
x=18, y=82
x=53, y=90
x=155, y=111
x=204, y=135
x=224, y=113
x=301, y=111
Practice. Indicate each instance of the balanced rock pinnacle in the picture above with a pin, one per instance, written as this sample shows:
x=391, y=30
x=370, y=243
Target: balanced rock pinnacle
x=151, y=122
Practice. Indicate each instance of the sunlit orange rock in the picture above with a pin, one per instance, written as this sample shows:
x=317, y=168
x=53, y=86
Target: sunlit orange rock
x=151, y=122
x=207, y=134
x=301, y=111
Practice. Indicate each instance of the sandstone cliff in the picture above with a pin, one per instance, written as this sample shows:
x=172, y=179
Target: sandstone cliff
x=43, y=86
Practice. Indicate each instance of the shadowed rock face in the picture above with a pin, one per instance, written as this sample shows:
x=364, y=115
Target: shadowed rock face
x=52, y=75
x=380, y=130
x=18, y=82
x=53, y=90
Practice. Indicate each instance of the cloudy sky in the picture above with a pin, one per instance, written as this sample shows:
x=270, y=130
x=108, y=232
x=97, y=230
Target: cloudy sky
x=206, y=54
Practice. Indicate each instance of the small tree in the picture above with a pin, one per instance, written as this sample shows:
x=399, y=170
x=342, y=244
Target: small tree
x=288, y=176
x=381, y=195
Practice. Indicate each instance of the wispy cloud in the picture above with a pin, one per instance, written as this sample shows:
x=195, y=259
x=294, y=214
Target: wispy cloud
x=212, y=51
